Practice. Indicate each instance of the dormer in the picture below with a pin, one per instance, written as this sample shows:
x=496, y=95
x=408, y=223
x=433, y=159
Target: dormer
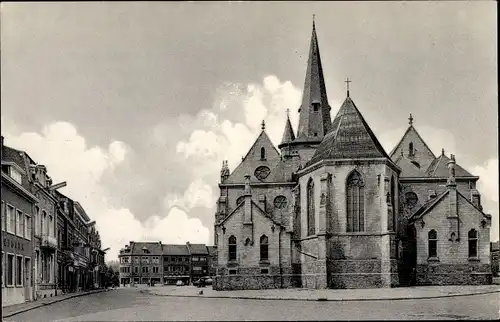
x=41, y=175
x=13, y=170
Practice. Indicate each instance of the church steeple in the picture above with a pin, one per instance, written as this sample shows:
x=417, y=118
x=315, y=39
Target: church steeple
x=288, y=135
x=314, y=118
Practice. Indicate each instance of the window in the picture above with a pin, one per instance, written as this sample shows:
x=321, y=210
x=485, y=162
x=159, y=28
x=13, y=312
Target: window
x=16, y=175
x=20, y=224
x=355, y=203
x=43, y=223
x=264, y=271
x=156, y=269
x=410, y=148
x=19, y=271
x=472, y=243
x=262, y=153
x=50, y=229
x=195, y=258
x=11, y=220
x=10, y=270
x=136, y=269
x=203, y=259
x=432, y=243
x=280, y=202
x=232, y=272
x=27, y=227
x=393, y=204
x=232, y=248
x=315, y=106
x=3, y=268
x=145, y=269
x=264, y=248
x=311, y=224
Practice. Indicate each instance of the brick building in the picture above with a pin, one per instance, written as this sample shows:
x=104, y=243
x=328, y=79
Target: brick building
x=199, y=260
x=17, y=233
x=141, y=263
x=331, y=209
x=176, y=264
x=494, y=255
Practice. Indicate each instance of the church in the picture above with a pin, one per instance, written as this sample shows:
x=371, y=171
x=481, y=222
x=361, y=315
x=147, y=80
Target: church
x=330, y=208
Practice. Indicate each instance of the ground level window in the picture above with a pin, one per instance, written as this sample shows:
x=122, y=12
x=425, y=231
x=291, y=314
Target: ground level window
x=19, y=270
x=232, y=272
x=264, y=271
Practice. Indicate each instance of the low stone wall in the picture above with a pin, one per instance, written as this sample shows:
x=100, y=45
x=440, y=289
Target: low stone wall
x=251, y=278
x=454, y=274
x=366, y=273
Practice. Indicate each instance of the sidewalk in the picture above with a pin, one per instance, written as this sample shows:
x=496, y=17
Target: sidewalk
x=297, y=294
x=11, y=310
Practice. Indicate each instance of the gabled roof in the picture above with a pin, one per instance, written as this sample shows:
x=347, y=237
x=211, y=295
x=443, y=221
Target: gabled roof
x=197, y=249
x=252, y=160
x=311, y=121
x=439, y=168
x=154, y=248
x=432, y=203
x=211, y=250
x=412, y=131
x=410, y=168
x=172, y=249
x=254, y=206
x=350, y=137
x=288, y=135
x=18, y=157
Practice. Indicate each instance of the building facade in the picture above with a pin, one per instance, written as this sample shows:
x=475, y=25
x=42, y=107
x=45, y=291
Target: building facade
x=141, y=263
x=17, y=228
x=329, y=208
x=199, y=260
x=176, y=264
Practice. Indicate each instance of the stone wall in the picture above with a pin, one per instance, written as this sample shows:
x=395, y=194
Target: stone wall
x=454, y=274
x=361, y=274
x=252, y=278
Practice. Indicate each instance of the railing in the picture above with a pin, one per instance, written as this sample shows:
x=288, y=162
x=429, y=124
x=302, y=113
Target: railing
x=48, y=241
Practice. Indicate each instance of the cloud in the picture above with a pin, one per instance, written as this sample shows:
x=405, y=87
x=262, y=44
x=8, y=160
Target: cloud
x=68, y=158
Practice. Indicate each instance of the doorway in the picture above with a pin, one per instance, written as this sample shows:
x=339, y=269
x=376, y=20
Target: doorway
x=27, y=279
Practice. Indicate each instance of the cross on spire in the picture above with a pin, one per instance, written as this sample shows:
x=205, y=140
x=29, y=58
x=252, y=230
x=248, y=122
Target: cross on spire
x=410, y=119
x=288, y=112
x=347, y=81
x=314, y=16
x=263, y=125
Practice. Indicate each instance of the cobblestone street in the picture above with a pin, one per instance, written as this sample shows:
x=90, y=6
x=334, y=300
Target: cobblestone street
x=134, y=305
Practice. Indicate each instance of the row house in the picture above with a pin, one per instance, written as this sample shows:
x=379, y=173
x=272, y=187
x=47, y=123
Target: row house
x=140, y=263
x=199, y=260
x=49, y=242
x=17, y=235
x=171, y=263
x=176, y=264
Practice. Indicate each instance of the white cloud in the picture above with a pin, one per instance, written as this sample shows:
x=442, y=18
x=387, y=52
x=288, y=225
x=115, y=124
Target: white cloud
x=198, y=194
x=488, y=187
x=68, y=158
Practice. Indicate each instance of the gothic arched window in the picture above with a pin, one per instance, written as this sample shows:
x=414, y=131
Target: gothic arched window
x=472, y=243
x=262, y=153
x=355, y=203
x=311, y=224
x=432, y=236
x=410, y=148
x=232, y=248
x=264, y=248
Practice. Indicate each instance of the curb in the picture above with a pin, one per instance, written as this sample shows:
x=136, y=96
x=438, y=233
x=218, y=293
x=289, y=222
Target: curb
x=49, y=303
x=321, y=299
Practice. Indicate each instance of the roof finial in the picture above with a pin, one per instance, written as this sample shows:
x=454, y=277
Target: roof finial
x=314, y=24
x=442, y=151
x=410, y=119
x=263, y=125
x=347, y=81
x=288, y=112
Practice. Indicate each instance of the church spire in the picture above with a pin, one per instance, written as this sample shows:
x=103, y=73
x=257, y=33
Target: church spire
x=314, y=119
x=288, y=135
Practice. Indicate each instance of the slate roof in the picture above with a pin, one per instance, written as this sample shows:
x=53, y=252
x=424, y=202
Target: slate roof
x=439, y=168
x=211, y=250
x=350, y=137
x=288, y=134
x=155, y=248
x=411, y=128
x=197, y=249
x=314, y=92
x=18, y=157
x=171, y=249
x=409, y=168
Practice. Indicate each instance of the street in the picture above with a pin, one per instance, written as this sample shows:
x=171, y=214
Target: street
x=132, y=305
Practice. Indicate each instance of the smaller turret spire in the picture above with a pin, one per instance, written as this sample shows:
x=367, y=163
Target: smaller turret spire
x=451, y=169
x=288, y=135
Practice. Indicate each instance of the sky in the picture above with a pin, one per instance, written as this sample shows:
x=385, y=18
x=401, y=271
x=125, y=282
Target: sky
x=136, y=104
